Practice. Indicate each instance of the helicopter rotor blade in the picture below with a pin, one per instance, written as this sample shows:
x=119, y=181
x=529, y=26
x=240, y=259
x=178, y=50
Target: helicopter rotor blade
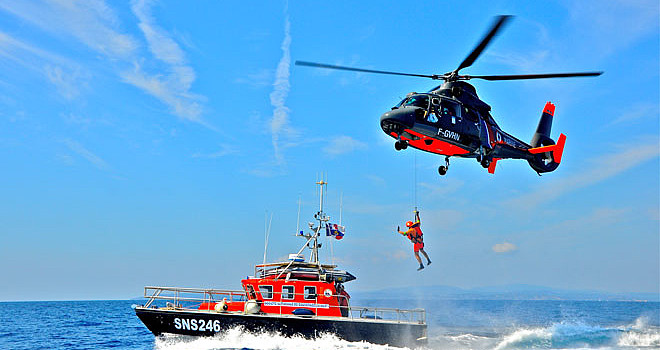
x=330, y=66
x=532, y=76
x=500, y=21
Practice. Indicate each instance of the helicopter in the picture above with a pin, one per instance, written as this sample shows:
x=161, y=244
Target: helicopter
x=451, y=120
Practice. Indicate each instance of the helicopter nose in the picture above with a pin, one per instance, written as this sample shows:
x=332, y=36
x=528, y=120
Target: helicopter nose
x=399, y=119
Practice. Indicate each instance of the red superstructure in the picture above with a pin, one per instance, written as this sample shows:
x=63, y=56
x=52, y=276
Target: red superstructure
x=293, y=287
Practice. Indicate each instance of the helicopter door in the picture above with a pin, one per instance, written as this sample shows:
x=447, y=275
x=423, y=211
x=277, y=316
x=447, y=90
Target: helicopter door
x=450, y=111
x=447, y=113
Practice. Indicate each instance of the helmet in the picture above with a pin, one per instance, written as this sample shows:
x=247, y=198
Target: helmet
x=409, y=224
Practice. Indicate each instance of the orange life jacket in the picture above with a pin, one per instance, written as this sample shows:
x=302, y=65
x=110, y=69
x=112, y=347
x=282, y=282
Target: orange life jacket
x=417, y=235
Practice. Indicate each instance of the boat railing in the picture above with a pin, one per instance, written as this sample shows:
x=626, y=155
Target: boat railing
x=192, y=298
x=189, y=298
x=378, y=313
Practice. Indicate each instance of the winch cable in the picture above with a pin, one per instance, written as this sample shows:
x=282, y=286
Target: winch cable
x=415, y=180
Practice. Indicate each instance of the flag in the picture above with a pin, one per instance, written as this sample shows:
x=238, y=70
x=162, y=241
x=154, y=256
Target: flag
x=335, y=230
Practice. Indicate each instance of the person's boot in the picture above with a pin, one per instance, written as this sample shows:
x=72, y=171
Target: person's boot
x=420, y=267
x=428, y=262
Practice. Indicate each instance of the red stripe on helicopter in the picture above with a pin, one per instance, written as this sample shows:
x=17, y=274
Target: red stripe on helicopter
x=436, y=146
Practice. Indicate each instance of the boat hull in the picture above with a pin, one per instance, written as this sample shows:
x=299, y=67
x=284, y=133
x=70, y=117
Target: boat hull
x=208, y=323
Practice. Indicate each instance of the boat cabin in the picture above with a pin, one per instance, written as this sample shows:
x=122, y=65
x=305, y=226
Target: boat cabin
x=292, y=288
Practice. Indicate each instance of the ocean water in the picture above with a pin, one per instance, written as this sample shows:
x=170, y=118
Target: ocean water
x=453, y=324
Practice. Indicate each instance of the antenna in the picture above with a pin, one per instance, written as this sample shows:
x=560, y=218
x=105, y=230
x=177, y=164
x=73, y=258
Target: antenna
x=267, y=232
x=298, y=221
x=322, y=219
x=332, y=246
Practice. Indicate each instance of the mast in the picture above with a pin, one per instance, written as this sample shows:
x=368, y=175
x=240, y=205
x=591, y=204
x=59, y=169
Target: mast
x=322, y=219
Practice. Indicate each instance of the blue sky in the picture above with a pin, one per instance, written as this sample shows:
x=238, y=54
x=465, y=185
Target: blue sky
x=145, y=143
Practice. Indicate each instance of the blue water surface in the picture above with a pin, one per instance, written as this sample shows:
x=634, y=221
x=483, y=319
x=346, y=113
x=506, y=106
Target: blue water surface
x=72, y=325
x=453, y=324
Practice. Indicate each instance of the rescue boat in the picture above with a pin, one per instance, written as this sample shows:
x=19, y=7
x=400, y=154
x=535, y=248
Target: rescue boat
x=294, y=297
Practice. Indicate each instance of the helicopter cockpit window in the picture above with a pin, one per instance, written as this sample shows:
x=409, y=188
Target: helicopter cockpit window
x=418, y=101
x=448, y=109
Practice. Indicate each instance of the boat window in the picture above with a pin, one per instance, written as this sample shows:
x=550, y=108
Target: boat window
x=288, y=292
x=310, y=292
x=266, y=292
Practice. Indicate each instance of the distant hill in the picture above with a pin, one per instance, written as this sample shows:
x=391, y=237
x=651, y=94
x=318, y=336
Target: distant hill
x=505, y=292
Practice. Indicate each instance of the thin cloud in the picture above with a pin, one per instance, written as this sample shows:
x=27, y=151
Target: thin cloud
x=76, y=119
x=167, y=92
x=160, y=44
x=442, y=188
x=67, y=76
x=342, y=145
x=260, y=79
x=87, y=154
x=376, y=180
x=92, y=22
x=505, y=247
x=637, y=112
x=67, y=83
x=225, y=150
x=173, y=89
x=15, y=50
x=601, y=168
x=599, y=217
x=97, y=26
x=280, y=122
x=526, y=63
x=615, y=24
x=448, y=219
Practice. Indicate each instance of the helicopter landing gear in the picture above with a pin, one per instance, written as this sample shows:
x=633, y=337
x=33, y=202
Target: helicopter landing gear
x=442, y=170
x=400, y=145
x=480, y=154
x=483, y=158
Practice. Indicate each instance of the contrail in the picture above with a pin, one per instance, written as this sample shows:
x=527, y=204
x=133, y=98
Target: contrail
x=280, y=92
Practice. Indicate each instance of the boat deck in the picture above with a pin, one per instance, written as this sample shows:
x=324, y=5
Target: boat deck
x=189, y=300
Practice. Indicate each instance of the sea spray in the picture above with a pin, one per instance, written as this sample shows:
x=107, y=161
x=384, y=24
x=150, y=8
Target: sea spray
x=238, y=338
x=640, y=334
x=461, y=341
x=526, y=338
x=572, y=335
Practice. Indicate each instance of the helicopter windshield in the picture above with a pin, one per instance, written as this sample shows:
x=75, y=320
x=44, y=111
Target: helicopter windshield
x=417, y=101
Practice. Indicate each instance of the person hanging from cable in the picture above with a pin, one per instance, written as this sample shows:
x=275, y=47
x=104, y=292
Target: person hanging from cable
x=414, y=233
